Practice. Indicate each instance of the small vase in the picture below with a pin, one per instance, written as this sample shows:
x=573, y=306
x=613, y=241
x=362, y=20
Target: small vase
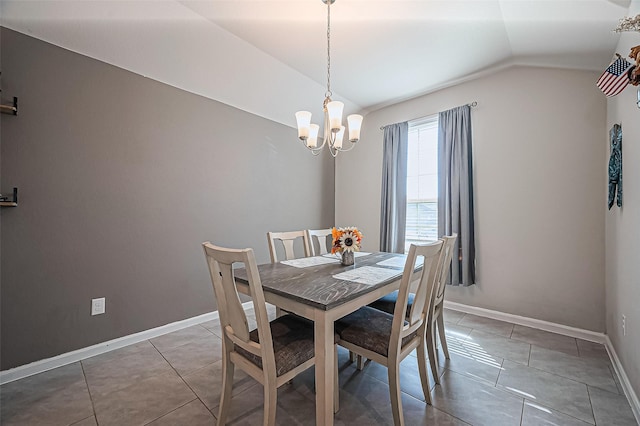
x=348, y=258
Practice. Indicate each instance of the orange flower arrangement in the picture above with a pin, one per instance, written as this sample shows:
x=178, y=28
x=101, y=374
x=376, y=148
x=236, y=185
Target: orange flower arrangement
x=346, y=239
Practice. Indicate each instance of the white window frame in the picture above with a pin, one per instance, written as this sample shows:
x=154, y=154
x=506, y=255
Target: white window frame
x=416, y=125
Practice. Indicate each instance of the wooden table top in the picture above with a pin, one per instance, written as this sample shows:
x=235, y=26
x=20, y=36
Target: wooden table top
x=315, y=286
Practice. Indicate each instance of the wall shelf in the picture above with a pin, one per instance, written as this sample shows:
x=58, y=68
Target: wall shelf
x=10, y=109
x=5, y=201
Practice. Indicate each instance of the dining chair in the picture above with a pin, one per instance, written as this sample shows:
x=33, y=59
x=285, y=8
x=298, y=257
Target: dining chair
x=435, y=319
x=319, y=235
x=388, y=339
x=287, y=239
x=274, y=352
x=436, y=313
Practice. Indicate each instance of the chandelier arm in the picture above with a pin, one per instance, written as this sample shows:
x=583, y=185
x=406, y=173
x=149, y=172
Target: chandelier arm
x=333, y=151
x=353, y=145
x=316, y=150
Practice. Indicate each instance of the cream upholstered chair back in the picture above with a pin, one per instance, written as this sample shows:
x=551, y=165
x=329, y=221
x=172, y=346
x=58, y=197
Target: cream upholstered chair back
x=321, y=236
x=287, y=239
x=435, y=318
x=233, y=319
x=444, y=267
x=426, y=278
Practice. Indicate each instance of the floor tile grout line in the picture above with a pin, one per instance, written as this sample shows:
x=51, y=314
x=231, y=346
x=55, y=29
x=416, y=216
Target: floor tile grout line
x=186, y=343
x=578, y=346
x=404, y=392
x=555, y=409
x=185, y=382
x=591, y=405
x=86, y=382
x=616, y=379
x=499, y=372
x=166, y=414
x=81, y=420
x=524, y=401
x=562, y=377
x=567, y=378
x=447, y=413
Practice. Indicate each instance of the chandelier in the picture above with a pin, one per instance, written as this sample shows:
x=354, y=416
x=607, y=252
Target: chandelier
x=333, y=129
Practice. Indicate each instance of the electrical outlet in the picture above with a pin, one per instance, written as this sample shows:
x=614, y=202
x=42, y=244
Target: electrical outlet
x=624, y=325
x=98, y=306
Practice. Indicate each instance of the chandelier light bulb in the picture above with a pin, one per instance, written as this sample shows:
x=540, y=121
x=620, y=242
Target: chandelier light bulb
x=355, y=123
x=335, y=114
x=312, y=141
x=303, y=118
x=339, y=136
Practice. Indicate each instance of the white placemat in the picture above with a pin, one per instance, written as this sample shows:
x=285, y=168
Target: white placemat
x=398, y=262
x=369, y=275
x=306, y=262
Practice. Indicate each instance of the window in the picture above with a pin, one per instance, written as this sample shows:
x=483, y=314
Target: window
x=422, y=181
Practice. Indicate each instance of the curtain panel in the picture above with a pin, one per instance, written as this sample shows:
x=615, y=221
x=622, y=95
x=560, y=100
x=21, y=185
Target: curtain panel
x=455, y=191
x=393, y=211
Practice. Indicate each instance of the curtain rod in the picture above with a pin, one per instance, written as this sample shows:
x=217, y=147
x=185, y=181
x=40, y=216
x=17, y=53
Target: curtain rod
x=471, y=104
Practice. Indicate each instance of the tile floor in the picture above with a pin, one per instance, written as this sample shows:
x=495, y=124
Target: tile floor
x=499, y=374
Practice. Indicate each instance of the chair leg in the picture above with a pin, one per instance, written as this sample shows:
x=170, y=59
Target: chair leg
x=433, y=359
x=227, y=385
x=443, y=337
x=336, y=384
x=361, y=360
x=424, y=376
x=278, y=312
x=394, y=393
x=270, y=399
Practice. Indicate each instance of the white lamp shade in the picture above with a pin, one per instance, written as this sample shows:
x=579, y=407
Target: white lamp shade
x=312, y=142
x=334, y=108
x=303, y=118
x=339, y=137
x=355, y=122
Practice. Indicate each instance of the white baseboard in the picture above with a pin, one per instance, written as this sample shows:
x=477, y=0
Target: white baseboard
x=624, y=380
x=100, y=348
x=592, y=336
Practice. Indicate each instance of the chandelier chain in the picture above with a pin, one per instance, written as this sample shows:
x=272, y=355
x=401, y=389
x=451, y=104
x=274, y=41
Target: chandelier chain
x=328, y=92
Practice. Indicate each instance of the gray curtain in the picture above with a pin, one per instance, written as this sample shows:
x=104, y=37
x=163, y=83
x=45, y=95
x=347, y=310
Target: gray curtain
x=393, y=212
x=455, y=191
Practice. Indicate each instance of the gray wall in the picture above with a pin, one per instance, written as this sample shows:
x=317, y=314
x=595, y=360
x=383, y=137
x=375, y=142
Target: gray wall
x=538, y=176
x=623, y=227
x=121, y=178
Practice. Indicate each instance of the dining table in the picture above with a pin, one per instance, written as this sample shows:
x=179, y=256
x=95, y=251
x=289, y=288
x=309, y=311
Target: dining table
x=322, y=290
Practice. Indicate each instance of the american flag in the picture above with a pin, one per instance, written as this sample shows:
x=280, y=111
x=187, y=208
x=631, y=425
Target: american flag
x=615, y=78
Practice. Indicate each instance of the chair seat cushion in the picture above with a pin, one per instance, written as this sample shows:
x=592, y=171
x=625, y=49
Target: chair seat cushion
x=388, y=303
x=292, y=343
x=370, y=329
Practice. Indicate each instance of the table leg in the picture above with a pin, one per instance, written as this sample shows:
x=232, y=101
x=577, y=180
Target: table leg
x=325, y=363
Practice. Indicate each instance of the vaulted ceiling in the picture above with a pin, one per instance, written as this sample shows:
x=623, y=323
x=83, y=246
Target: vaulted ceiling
x=269, y=57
